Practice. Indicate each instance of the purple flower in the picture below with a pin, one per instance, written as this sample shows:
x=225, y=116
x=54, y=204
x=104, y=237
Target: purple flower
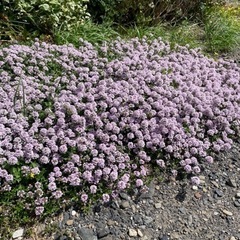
x=121, y=185
x=57, y=194
x=106, y=198
x=63, y=149
x=196, y=169
x=139, y=183
x=52, y=186
x=39, y=210
x=209, y=159
x=160, y=163
x=93, y=189
x=188, y=168
x=84, y=197
x=195, y=180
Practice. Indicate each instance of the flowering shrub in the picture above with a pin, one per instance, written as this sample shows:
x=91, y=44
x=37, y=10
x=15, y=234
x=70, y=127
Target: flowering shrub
x=91, y=120
x=46, y=16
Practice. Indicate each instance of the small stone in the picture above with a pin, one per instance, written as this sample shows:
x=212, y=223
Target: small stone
x=218, y=192
x=232, y=238
x=215, y=184
x=202, y=177
x=226, y=212
x=237, y=195
x=139, y=232
x=18, y=233
x=190, y=220
x=164, y=237
x=111, y=222
x=125, y=204
x=175, y=235
x=86, y=234
x=195, y=187
x=103, y=232
x=204, y=190
x=63, y=237
x=124, y=196
x=133, y=209
x=197, y=195
x=132, y=232
x=236, y=203
x=73, y=213
x=158, y=205
x=69, y=222
x=147, y=220
x=182, y=210
x=109, y=237
x=137, y=218
x=231, y=182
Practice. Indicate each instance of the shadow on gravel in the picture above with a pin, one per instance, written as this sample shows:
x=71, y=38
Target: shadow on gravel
x=180, y=197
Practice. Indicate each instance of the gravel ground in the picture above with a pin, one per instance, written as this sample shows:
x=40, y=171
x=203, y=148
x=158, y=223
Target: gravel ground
x=170, y=209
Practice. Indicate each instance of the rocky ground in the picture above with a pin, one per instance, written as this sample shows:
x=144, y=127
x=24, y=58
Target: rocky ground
x=170, y=209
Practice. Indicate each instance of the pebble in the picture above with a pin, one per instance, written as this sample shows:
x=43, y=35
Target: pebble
x=132, y=232
x=195, y=187
x=237, y=195
x=69, y=222
x=202, y=179
x=103, y=232
x=73, y=212
x=108, y=238
x=175, y=235
x=218, y=192
x=237, y=203
x=125, y=204
x=215, y=184
x=139, y=232
x=197, y=195
x=147, y=220
x=111, y=222
x=158, y=205
x=231, y=182
x=124, y=196
x=226, y=212
x=86, y=234
x=164, y=237
x=232, y=238
x=18, y=233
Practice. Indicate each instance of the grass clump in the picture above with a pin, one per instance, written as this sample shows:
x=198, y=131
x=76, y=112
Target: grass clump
x=222, y=30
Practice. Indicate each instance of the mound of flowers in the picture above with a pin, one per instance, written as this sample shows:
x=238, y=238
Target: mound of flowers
x=91, y=120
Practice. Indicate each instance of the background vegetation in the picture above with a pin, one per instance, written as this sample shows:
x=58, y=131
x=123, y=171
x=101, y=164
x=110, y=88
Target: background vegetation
x=212, y=25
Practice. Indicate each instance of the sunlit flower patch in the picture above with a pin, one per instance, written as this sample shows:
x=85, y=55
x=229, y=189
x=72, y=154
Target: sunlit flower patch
x=91, y=121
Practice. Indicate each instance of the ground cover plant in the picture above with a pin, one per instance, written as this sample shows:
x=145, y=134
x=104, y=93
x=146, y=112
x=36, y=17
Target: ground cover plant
x=82, y=124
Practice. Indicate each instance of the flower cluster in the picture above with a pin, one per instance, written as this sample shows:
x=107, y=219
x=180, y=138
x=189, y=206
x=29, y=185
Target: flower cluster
x=88, y=118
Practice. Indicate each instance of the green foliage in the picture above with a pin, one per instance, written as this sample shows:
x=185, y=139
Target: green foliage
x=88, y=31
x=222, y=30
x=44, y=16
x=131, y=12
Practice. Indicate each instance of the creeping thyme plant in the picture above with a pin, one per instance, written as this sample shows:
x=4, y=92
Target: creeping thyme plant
x=86, y=123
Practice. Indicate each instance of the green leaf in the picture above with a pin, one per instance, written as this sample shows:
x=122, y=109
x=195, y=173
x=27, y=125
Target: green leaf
x=16, y=173
x=45, y=7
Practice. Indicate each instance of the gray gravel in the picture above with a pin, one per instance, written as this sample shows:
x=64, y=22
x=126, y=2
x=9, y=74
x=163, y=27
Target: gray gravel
x=169, y=210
